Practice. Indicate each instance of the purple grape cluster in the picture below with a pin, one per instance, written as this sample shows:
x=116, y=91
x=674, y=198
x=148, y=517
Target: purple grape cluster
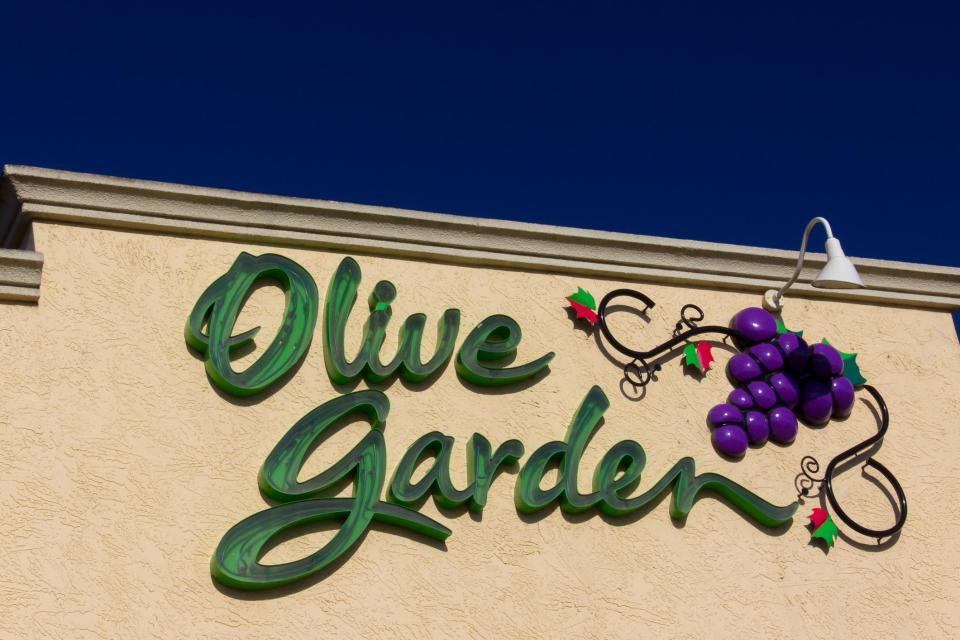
x=778, y=378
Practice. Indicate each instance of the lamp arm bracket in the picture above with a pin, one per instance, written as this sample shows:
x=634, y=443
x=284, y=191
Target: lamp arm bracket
x=803, y=250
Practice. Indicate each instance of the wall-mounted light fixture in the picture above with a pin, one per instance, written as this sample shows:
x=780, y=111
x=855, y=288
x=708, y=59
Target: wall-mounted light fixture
x=838, y=273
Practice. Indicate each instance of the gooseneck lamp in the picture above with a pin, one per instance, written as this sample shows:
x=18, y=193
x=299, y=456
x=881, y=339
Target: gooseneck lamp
x=838, y=273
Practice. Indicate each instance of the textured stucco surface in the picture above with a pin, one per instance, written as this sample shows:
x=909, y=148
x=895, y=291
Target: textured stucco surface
x=122, y=467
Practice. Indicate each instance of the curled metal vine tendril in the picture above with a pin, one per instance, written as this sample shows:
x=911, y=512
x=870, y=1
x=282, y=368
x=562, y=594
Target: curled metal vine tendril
x=638, y=372
x=826, y=483
x=690, y=323
x=806, y=480
x=853, y=452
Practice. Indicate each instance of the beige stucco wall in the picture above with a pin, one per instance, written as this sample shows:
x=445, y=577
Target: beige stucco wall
x=122, y=468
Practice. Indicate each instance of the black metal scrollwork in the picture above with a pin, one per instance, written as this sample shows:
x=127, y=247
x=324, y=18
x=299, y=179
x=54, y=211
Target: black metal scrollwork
x=638, y=371
x=690, y=323
x=805, y=480
x=853, y=452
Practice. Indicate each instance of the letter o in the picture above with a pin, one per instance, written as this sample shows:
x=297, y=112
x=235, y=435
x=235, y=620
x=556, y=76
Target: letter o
x=220, y=305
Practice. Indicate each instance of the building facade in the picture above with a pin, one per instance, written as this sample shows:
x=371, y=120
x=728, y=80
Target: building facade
x=158, y=465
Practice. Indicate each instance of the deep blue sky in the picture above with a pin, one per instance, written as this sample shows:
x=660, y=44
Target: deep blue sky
x=693, y=121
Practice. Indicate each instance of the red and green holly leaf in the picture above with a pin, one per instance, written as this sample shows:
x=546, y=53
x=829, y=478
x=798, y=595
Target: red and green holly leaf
x=584, y=305
x=690, y=358
x=818, y=517
x=699, y=355
x=583, y=312
x=705, y=353
x=583, y=298
x=782, y=328
x=851, y=370
x=826, y=530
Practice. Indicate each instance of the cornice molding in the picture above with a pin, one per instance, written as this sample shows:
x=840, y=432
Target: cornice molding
x=31, y=193
x=20, y=275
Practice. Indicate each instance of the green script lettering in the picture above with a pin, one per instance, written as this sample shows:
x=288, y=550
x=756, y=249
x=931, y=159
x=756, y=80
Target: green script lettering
x=482, y=466
x=219, y=306
x=236, y=561
x=627, y=458
x=495, y=338
x=341, y=296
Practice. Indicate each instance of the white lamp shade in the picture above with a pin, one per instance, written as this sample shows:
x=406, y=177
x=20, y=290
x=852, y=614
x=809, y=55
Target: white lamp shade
x=839, y=272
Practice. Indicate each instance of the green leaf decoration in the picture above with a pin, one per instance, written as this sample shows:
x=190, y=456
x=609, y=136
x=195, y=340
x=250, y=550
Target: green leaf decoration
x=826, y=531
x=851, y=370
x=690, y=357
x=782, y=328
x=583, y=297
x=699, y=355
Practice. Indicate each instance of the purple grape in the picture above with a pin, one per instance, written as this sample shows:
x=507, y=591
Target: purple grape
x=762, y=394
x=768, y=356
x=754, y=324
x=730, y=440
x=843, y=395
x=825, y=360
x=740, y=398
x=783, y=425
x=724, y=414
x=788, y=343
x=786, y=387
x=796, y=351
x=758, y=428
x=816, y=402
x=742, y=368
x=778, y=377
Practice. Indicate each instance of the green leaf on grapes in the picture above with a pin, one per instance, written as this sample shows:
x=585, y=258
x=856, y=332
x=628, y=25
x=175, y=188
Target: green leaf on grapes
x=782, y=328
x=851, y=370
x=583, y=297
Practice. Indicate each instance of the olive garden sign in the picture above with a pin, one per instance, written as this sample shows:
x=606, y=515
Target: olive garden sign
x=480, y=360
